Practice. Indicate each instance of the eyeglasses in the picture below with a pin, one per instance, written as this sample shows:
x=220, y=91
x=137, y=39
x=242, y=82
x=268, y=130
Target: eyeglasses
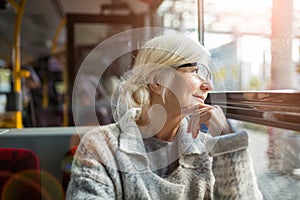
x=203, y=71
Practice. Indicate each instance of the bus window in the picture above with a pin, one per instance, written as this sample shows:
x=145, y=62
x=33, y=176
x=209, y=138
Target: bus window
x=5, y=87
x=254, y=43
x=275, y=154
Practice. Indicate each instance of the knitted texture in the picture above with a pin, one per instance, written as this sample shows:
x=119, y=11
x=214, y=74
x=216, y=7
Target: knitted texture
x=235, y=177
x=109, y=164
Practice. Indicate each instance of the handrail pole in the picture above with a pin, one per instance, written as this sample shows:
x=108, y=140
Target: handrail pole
x=16, y=55
x=59, y=29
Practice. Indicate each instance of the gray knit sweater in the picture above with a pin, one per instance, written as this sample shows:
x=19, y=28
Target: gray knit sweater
x=111, y=163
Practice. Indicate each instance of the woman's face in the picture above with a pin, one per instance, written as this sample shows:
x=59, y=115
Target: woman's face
x=187, y=88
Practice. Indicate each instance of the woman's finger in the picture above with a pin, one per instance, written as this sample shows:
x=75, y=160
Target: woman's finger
x=190, y=109
x=196, y=114
x=196, y=119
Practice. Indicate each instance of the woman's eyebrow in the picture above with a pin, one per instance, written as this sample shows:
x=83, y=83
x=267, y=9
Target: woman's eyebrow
x=184, y=68
x=191, y=67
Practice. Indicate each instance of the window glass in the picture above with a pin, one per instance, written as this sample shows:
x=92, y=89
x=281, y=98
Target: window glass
x=180, y=15
x=5, y=87
x=254, y=45
x=5, y=76
x=276, y=159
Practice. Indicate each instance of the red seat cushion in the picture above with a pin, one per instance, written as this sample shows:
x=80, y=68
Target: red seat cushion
x=15, y=160
x=19, y=173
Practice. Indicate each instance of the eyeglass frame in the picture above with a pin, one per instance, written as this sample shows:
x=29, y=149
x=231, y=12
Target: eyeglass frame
x=209, y=76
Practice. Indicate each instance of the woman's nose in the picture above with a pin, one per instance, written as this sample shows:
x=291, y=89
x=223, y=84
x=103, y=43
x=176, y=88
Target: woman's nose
x=206, y=85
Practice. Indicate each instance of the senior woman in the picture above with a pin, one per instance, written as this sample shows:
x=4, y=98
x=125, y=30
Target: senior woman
x=157, y=149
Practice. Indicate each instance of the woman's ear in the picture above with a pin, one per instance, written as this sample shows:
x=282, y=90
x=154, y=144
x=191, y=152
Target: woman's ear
x=155, y=87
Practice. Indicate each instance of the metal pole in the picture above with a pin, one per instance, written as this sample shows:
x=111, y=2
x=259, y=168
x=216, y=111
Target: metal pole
x=17, y=72
x=62, y=24
x=281, y=44
x=200, y=21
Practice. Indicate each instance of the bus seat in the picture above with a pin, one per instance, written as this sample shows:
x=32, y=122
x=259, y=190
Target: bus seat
x=19, y=174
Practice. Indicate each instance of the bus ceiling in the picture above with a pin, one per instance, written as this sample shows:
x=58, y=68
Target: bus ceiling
x=41, y=33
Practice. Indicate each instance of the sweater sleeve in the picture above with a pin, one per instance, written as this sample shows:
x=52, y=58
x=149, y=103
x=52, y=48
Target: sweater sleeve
x=89, y=180
x=232, y=167
x=90, y=177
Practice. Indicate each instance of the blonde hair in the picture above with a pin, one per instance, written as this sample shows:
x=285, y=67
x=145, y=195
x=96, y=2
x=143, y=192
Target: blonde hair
x=153, y=63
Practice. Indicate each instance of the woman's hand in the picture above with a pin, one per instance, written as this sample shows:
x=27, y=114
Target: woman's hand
x=212, y=116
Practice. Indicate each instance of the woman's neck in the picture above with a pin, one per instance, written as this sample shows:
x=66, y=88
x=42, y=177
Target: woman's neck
x=160, y=120
x=169, y=131
x=162, y=126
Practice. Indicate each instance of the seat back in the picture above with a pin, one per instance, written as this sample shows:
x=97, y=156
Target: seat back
x=19, y=174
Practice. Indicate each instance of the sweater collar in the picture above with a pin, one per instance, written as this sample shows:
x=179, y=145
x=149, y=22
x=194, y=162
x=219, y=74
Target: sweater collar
x=131, y=139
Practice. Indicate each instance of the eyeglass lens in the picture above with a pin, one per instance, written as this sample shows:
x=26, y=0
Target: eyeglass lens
x=204, y=73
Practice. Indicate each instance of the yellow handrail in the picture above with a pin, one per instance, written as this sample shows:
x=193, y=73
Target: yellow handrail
x=53, y=49
x=17, y=72
x=60, y=27
x=57, y=34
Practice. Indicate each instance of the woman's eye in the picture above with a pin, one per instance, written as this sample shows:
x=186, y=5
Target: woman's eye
x=195, y=71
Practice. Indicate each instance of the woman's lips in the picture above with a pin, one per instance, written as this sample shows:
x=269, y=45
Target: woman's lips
x=201, y=98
